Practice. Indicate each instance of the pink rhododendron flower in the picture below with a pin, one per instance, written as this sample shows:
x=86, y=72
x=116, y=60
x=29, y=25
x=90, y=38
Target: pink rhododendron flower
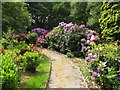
x=83, y=39
x=88, y=41
x=82, y=26
x=94, y=74
x=95, y=56
x=84, y=48
x=92, y=60
x=90, y=34
x=91, y=56
x=92, y=38
x=87, y=58
x=88, y=37
x=118, y=78
x=98, y=70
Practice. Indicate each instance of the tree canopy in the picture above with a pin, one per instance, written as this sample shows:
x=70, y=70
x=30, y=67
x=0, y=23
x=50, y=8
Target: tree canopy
x=16, y=16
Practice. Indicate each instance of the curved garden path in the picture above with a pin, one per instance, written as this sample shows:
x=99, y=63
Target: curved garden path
x=64, y=73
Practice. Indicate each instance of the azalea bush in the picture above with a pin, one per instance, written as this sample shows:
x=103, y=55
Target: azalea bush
x=68, y=39
x=41, y=35
x=104, y=62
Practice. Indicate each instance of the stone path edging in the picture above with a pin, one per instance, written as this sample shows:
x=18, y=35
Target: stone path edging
x=64, y=72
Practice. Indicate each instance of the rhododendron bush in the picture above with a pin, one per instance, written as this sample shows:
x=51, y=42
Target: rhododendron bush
x=69, y=39
x=104, y=62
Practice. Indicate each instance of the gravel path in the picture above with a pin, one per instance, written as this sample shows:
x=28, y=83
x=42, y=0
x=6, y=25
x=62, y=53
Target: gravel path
x=64, y=73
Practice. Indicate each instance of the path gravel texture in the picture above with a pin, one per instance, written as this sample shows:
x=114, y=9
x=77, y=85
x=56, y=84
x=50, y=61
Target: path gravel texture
x=64, y=73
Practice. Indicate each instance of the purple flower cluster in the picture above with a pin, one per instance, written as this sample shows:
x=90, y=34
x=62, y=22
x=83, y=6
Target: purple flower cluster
x=118, y=78
x=40, y=31
x=42, y=40
x=82, y=26
x=83, y=39
x=91, y=57
x=70, y=27
x=96, y=72
x=62, y=24
x=89, y=39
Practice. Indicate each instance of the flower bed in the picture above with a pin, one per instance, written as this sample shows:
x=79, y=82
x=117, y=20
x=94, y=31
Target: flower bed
x=104, y=62
x=18, y=56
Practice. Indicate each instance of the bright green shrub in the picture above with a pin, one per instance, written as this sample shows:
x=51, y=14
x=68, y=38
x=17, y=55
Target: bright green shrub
x=32, y=60
x=20, y=63
x=9, y=75
x=104, y=61
x=17, y=58
x=110, y=20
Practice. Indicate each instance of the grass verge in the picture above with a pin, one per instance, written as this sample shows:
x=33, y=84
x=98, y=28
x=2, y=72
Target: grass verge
x=39, y=78
x=82, y=63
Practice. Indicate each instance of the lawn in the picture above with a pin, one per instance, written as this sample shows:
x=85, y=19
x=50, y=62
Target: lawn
x=39, y=78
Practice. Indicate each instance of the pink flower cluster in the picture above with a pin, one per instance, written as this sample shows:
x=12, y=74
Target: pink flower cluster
x=91, y=57
x=89, y=39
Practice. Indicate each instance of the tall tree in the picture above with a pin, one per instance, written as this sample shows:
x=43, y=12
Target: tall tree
x=110, y=20
x=15, y=16
x=48, y=14
x=78, y=12
x=93, y=9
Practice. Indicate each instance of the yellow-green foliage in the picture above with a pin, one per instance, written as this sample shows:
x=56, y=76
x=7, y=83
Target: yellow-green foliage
x=110, y=19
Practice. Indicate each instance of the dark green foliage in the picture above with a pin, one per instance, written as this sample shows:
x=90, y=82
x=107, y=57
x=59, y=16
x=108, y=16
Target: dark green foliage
x=78, y=12
x=32, y=38
x=48, y=14
x=15, y=16
x=110, y=20
x=93, y=10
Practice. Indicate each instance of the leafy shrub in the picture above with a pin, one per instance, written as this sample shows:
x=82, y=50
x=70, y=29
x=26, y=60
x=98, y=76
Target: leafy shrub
x=32, y=38
x=67, y=38
x=17, y=58
x=9, y=40
x=20, y=63
x=9, y=75
x=104, y=61
x=110, y=20
x=32, y=60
